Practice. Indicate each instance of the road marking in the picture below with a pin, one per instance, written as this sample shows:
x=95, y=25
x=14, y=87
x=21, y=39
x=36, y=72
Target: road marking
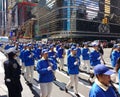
x=69, y=77
x=72, y=93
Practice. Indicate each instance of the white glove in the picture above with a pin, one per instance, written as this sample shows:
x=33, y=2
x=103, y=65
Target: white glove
x=88, y=52
x=49, y=68
x=8, y=80
x=30, y=56
x=50, y=64
x=76, y=63
x=99, y=58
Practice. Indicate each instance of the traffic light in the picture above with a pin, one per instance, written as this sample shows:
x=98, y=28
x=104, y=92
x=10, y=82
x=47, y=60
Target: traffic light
x=105, y=20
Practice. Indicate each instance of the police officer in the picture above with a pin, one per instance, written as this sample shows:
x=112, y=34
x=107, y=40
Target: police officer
x=12, y=75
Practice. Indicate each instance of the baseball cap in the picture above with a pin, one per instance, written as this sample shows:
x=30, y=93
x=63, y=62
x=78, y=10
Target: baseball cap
x=102, y=69
x=115, y=46
x=12, y=49
x=44, y=51
x=73, y=48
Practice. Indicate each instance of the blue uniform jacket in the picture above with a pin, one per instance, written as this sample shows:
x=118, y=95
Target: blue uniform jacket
x=96, y=91
x=45, y=76
x=78, y=52
x=85, y=54
x=72, y=68
x=60, y=52
x=69, y=51
x=53, y=56
x=38, y=53
x=114, y=56
x=29, y=61
x=21, y=56
x=94, y=58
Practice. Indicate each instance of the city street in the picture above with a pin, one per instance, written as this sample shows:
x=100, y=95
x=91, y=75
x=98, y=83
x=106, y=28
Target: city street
x=58, y=86
x=29, y=26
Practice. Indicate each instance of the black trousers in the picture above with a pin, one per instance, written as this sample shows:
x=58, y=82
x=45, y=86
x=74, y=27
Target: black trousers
x=14, y=88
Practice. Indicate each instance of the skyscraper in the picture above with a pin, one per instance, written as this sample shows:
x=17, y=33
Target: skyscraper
x=115, y=7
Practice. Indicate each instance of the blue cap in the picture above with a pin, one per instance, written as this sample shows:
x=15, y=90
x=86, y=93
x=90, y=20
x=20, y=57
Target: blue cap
x=118, y=46
x=44, y=51
x=73, y=48
x=115, y=46
x=25, y=45
x=11, y=50
x=102, y=69
x=51, y=46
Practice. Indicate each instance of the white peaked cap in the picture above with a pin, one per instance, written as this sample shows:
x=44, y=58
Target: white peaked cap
x=10, y=50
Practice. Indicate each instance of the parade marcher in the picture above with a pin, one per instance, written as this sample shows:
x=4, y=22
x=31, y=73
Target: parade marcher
x=12, y=75
x=46, y=68
x=29, y=59
x=69, y=51
x=78, y=53
x=101, y=86
x=85, y=52
x=115, y=55
x=52, y=55
x=21, y=56
x=95, y=58
x=73, y=63
x=38, y=51
x=61, y=55
x=117, y=69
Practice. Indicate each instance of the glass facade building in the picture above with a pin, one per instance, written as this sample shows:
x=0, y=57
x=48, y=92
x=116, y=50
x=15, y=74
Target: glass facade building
x=79, y=18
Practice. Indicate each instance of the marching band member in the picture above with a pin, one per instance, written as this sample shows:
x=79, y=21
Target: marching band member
x=46, y=68
x=73, y=63
x=101, y=86
x=85, y=56
x=29, y=59
x=61, y=54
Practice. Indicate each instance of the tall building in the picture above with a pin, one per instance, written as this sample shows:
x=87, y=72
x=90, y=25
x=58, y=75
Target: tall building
x=115, y=7
x=0, y=16
x=3, y=16
x=78, y=19
x=0, y=13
